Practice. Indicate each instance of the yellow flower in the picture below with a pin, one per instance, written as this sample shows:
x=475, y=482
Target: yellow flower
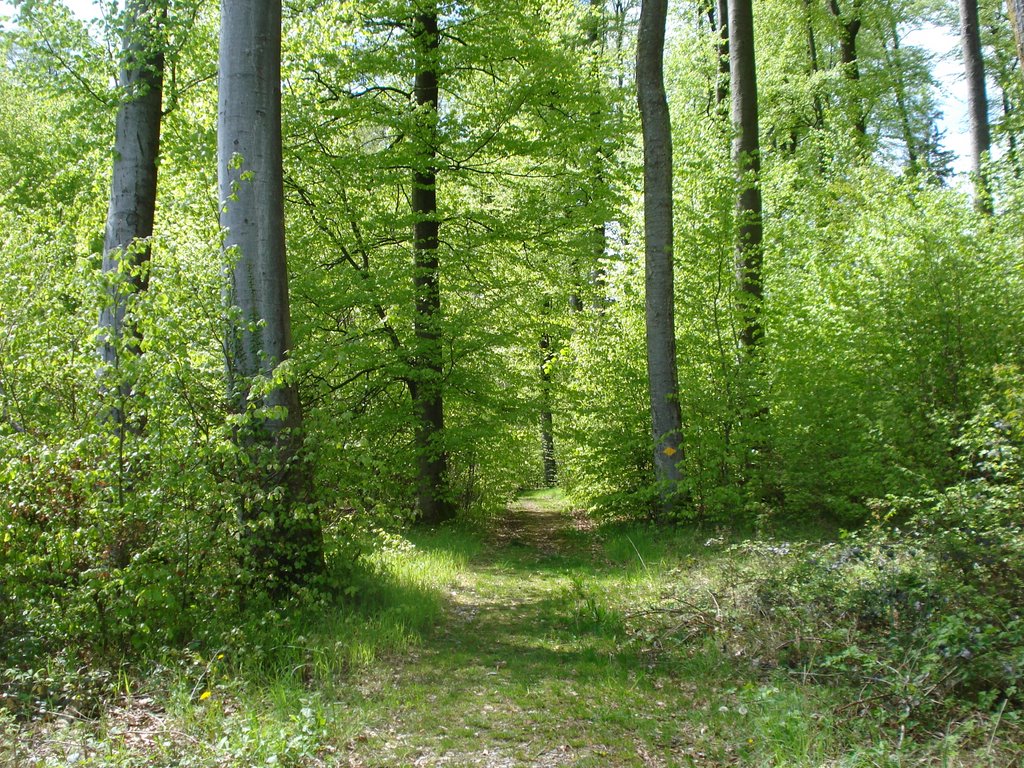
x=205, y=695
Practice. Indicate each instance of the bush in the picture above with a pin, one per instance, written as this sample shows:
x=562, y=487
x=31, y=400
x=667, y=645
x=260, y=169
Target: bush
x=918, y=613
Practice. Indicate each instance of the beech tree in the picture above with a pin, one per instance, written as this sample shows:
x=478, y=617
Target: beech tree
x=894, y=62
x=547, y=428
x=518, y=213
x=659, y=290
x=427, y=382
x=722, y=84
x=849, y=21
x=281, y=530
x=977, y=101
x=132, y=209
x=747, y=159
x=1015, y=10
x=812, y=63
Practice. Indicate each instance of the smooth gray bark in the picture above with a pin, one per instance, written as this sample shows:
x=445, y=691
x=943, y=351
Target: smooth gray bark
x=746, y=151
x=658, y=249
x=433, y=499
x=977, y=101
x=132, y=208
x=284, y=537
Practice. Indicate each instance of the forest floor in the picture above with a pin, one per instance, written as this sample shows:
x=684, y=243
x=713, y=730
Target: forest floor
x=550, y=643
x=530, y=668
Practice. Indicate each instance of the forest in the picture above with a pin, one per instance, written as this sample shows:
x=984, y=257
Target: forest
x=531, y=383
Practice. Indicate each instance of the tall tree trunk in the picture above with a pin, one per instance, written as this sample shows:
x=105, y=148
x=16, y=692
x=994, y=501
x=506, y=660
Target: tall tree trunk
x=894, y=61
x=282, y=534
x=746, y=150
x=977, y=101
x=658, y=251
x=812, y=65
x=599, y=234
x=849, y=28
x=1015, y=9
x=597, y=276
x=595, y=29
x=433, y=500
x=547, y=422
x=132, y=208
x=722, y=86
x=1011, y=137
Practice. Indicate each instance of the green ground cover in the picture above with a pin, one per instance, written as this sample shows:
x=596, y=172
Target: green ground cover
x=547, y=642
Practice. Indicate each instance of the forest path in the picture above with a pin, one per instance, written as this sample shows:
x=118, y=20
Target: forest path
x=533, y=665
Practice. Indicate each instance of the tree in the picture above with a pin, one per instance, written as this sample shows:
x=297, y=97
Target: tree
x=658, y=251
x=747, y=160
x=812, y=63
x=426, y=384
x=849, y=27
x=283, y=535
x=547, y=428
x=1015, y=9
x=528, y=120
x=132, y=210
x=977, y=101
x=894, y=61
x=718, y=16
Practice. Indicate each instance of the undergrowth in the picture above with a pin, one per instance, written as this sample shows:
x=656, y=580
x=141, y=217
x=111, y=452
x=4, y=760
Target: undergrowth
x=915, y=620
x=258, y=690
x=629, y=645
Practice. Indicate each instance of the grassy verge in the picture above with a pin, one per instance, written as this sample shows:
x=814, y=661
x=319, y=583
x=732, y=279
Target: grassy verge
x=546, y=644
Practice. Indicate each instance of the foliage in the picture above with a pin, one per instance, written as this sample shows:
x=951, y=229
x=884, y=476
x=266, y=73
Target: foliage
x=517, y=98
x=888, y=387
x=881, y=326
x=541, y=636
x=918, y=613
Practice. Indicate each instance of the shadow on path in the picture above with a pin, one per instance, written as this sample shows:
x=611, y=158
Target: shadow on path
x=531, y=665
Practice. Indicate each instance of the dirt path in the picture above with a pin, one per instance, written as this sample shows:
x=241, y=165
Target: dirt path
x=550, y=528
x=532, y=666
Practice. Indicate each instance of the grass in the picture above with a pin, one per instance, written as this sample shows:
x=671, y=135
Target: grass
x=543, y=644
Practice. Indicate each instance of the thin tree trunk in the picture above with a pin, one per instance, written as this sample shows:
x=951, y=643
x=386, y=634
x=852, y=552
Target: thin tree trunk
x=432, y=494
x=132, y=209
x=599, y=233
x=722, y=87
x=849, y=28
x=658, y=250
x=977, y=101
x=283, y=537
x=1015, y=10
x=812, y=56
x=895, y=63
x=547, y=421
x=595, y=30
x=747, y=160
x=1011, y=136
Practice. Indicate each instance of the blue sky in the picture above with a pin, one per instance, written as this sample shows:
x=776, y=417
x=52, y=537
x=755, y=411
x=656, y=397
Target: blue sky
x=947, y=66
